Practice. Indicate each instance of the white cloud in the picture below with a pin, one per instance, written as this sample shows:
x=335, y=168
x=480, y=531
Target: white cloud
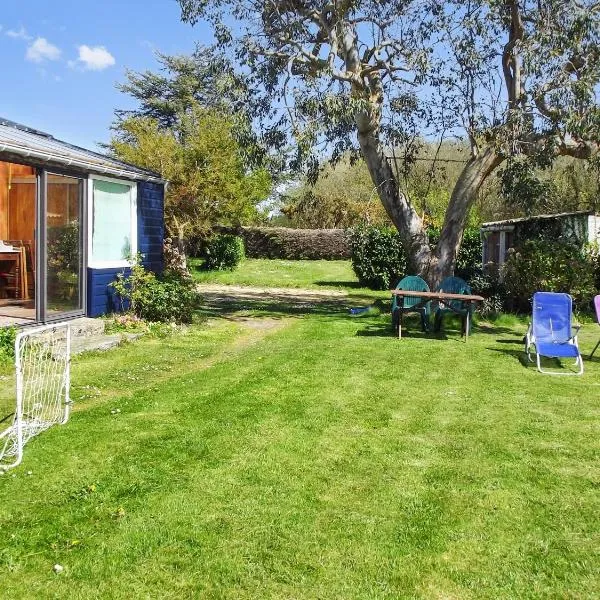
x=42, y=50
x=19, y=34
x=96, y=58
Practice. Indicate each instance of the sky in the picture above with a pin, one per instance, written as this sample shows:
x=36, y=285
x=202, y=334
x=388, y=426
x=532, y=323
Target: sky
x=61, y=59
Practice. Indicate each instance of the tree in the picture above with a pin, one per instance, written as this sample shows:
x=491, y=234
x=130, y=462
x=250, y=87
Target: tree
x=342, y=197
x=516, y=77
x=204, y=79
x=199, y=156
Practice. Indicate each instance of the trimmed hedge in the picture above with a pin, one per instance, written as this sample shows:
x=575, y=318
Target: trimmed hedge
x=292, y=244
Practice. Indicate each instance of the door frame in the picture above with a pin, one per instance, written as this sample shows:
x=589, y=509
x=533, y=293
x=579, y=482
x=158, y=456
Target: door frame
x=41, y=236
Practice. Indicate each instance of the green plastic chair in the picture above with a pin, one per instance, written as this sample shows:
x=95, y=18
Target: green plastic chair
x=408, y=304
x=454, y=285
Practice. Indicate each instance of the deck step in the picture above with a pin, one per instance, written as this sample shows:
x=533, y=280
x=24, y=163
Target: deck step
x=100, y=342
x=86, y=327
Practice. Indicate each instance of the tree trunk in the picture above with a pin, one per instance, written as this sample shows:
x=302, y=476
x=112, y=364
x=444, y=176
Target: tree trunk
x=398, y=207
x=473, y=175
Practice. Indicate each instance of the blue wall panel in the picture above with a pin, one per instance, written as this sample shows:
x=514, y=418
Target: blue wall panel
x=151, y=224
x=150, y=216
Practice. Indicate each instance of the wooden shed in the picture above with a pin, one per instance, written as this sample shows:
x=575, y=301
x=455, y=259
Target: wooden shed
x=498, y=237
x=70, y=219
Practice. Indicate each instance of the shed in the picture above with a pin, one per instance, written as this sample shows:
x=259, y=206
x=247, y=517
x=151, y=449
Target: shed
x=497, y=237
x=69, y=220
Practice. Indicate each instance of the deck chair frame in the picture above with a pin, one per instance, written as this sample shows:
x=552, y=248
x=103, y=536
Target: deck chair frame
x=530, y=341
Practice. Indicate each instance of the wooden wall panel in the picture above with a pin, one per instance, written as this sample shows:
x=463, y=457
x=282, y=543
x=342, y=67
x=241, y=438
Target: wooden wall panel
x=21, y=210
x=19, y=197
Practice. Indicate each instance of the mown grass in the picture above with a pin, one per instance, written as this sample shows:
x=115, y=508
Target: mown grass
x=323, y=274
x=312, y=455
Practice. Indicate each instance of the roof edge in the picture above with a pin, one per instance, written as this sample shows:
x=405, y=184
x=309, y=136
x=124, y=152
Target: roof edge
x=535, y=218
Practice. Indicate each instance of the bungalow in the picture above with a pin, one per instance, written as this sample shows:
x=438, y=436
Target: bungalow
x=498, y=237
x=69, y=220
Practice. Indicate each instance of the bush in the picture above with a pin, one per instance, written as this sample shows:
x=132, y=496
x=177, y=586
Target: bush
x=554, y=266
x=492, y=289
x=170, y=299
x=7, y=341
x=224, y=251
x=378, y=258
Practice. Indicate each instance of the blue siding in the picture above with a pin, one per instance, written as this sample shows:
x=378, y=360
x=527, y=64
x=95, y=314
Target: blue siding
x=100, y=298
x=151, y=224
x=150, y=207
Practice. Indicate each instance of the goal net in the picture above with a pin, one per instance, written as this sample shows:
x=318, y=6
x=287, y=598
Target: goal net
x=42, y=365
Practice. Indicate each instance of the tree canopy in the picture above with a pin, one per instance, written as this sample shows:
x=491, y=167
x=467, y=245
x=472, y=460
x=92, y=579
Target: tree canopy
x=199, y=155
x=514, y=78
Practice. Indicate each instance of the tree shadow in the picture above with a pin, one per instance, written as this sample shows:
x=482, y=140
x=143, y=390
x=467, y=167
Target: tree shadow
x=345, y=284
x=266, y=306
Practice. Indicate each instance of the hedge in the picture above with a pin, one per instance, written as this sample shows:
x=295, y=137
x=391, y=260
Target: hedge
x=291, y=244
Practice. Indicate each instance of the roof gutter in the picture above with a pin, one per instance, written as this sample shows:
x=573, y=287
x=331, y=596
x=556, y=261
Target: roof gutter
x=70, y=161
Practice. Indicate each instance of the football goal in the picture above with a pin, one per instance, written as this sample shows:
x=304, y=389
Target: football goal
x=42, y=365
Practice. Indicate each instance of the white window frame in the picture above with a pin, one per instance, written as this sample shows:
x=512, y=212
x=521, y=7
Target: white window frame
x=111, y=264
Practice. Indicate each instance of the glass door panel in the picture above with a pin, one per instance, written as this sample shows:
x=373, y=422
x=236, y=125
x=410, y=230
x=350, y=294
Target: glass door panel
x=64, y=256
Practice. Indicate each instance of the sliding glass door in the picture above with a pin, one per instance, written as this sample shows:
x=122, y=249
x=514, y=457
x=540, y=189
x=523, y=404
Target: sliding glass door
x=61, y=246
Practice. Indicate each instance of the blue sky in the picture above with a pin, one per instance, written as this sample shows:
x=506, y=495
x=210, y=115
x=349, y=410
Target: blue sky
x=61, y=59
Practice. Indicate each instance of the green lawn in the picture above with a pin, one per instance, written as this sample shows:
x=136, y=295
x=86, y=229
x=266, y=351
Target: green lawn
x=283, y=454
x=317, y=274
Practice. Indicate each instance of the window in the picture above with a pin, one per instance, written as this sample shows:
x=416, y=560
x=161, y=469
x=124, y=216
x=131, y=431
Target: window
x=112, y=222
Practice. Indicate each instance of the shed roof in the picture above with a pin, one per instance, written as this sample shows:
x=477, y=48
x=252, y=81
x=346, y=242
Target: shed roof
x=493, y=224
x=19, y=141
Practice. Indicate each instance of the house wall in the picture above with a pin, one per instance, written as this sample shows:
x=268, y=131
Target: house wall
x=150, y=230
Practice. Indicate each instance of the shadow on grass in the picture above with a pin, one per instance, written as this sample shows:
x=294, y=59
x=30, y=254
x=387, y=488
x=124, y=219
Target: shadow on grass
x=553, y=364
x=278, y=308
x=517, y=354
x=343, y=284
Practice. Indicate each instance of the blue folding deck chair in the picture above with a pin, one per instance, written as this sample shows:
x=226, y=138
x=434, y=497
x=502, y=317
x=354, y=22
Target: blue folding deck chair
x=407, y=304
x=551, y=331
x=454, y=285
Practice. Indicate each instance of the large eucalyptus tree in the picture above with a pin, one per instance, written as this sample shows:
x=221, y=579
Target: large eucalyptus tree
x=516, y=78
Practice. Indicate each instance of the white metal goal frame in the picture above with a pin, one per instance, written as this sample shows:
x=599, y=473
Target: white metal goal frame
x=43, y=380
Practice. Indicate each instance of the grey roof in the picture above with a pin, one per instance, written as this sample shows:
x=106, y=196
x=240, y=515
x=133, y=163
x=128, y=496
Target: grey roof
x=39, y=147
x=534, y=217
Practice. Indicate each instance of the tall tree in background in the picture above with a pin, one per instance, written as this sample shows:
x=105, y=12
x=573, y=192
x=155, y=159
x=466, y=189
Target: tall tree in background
x=517, y=78
x=200, y=157
x=191, y=124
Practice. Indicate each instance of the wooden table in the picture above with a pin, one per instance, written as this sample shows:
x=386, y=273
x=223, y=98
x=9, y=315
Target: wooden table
x=443, y=297
x=17, y=256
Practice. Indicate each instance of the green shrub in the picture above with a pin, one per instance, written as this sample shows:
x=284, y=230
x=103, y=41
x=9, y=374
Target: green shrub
x=169, y=299
x=492, y=289
x=224, y=251
x=553, y=266
x=7, y=341
x=378, y=258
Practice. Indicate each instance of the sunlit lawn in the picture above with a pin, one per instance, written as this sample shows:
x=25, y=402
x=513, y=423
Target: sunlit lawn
x=262, y=272
x=312, y=456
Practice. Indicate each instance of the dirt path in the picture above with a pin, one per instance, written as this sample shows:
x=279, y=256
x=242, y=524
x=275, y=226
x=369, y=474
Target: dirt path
x=235, y=293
